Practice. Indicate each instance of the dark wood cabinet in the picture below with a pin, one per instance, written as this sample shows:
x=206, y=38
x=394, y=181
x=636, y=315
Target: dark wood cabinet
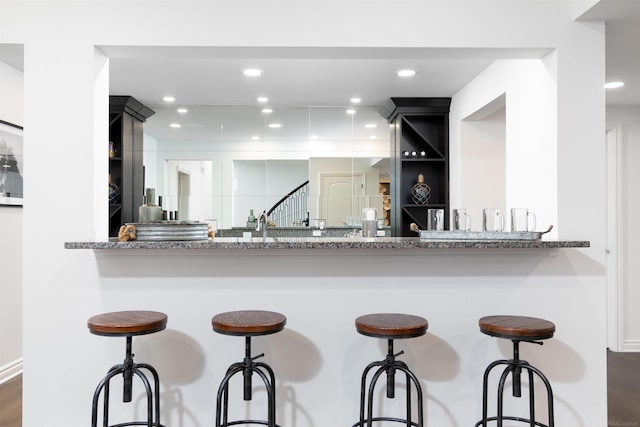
x=419, y=146
x=126, y=172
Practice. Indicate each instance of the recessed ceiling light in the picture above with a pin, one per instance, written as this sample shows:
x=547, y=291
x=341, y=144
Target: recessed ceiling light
x=252, y=72
x=314, y=137
x=371, y=125
x=182, y=110
x=613, y=85
x=406, y=73
x=255, y=137
x=274, y=125
x=373, y=137
x=355, y=100
x=168, y=99
x=175, y=125
x=351, y=111
x=267, y=110
x=263, y=99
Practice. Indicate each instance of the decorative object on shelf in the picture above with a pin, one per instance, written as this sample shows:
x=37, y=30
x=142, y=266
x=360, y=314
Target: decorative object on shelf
x=251, y=219
x=114, y=194
x=369, y=222
x=126, y=233
x=478, y=235
x=149, y=211
x=166, y=231
x=420, y=191
x=112, y=151
x=461, y=219
x=435, y=219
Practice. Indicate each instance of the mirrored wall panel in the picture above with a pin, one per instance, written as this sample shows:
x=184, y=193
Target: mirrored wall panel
x=300, y=164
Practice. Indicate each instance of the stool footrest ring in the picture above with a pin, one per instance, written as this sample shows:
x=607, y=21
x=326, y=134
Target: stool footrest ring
x=483, y=423
x=388, y=419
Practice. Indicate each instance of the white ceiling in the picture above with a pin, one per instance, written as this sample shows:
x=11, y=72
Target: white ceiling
x=293, y=77
x=329, y=77
x=622, y=19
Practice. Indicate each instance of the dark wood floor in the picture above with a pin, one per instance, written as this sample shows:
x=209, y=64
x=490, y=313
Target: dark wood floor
x=623, y=391
x=623, y=396
x=11, y=403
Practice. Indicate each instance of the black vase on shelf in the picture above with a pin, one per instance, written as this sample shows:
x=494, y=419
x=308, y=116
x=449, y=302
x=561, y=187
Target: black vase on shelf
x=420, y=191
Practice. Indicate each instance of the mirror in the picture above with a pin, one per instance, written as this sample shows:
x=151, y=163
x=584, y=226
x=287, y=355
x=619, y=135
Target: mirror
x=223, y=162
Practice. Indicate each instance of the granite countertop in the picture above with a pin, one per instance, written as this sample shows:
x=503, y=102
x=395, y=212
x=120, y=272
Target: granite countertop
x=322, y=243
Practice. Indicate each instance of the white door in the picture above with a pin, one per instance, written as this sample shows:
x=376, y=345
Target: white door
x=615, y=316
x=341, y=197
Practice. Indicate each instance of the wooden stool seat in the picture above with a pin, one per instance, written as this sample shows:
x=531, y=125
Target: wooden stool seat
x=520, y=328
x=127, y=323
x=391, y=325
x=248, y=322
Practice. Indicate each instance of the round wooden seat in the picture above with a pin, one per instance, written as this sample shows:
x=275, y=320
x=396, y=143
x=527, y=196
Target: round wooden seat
x=127, y=323
x=519, y=328
x=391, y=325
x=248, y=322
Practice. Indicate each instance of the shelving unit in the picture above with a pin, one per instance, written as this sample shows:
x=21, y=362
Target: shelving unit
x=126, y=171
x=418, y=125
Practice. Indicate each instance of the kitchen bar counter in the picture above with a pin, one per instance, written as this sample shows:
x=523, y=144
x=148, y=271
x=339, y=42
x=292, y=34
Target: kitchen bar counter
x=321, y=284
x=323, y=243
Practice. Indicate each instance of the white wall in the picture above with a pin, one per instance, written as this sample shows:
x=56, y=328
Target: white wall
x=319, y=356
x=628, y=121
x=483, y=166
x=11, y=83
x=530, y=154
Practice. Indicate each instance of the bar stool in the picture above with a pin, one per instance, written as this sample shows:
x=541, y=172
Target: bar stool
x=517, y=329
x=248, y=323
x=128, y=324
x=390, y=326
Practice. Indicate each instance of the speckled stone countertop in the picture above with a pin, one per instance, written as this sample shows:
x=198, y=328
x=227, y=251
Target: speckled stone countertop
x=323, y=243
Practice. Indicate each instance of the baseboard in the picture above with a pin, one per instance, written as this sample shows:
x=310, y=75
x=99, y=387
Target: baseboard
x=631, y=346
x=10, y=370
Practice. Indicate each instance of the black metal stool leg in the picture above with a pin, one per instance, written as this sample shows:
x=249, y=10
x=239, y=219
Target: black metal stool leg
x=156, y=392
x=363, y=393
x=271, y=392
x=128, y=369
x=248, y=367
x=389, y=366
x=514, y=367
x=532, y=400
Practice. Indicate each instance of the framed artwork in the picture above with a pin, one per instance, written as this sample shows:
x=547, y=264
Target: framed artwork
x=11, y=164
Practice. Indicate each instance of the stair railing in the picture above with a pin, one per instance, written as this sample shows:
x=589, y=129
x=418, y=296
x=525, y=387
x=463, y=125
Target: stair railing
x=291, y=208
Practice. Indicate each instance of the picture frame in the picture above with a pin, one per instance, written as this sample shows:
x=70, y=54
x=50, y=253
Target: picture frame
x=11, y=164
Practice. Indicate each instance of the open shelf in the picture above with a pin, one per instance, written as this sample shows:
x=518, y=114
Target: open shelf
x=420, y=125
